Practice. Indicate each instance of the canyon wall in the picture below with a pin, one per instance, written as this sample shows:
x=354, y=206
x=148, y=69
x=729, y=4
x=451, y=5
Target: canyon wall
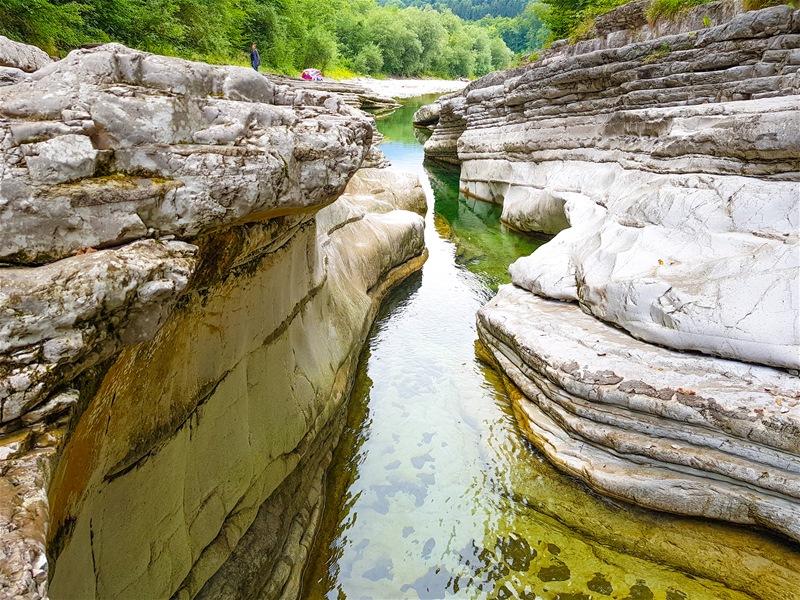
x=190, y=260
x=656, y=337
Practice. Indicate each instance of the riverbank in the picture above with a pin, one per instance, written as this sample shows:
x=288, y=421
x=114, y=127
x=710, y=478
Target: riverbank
x=409, y=88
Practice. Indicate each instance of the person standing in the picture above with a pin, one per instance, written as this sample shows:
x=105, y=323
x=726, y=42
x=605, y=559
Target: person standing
x=255, y=59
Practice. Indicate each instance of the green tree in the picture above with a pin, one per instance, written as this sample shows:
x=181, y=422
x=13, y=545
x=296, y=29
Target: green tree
x=49, y=26
x=320, y=48
x=369, y=60
x=291, y=34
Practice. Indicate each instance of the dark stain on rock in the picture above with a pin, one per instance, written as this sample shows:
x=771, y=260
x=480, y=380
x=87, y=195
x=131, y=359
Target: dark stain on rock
x=557, y=571
x=640, y=591
x=516, y=552
x=600, y=585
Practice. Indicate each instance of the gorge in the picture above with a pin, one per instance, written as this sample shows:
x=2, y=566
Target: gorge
x=192, y=258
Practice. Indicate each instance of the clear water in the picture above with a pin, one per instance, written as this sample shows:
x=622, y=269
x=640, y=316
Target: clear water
x=432, y=491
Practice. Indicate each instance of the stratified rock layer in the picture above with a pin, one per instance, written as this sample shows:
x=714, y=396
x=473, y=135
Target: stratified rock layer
x=682, y=433
x=178, y=330
x=669, y=170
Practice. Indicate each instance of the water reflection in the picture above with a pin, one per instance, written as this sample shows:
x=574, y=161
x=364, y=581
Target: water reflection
x=433, y=492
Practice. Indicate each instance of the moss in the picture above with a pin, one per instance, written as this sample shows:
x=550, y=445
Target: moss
x=662, y=51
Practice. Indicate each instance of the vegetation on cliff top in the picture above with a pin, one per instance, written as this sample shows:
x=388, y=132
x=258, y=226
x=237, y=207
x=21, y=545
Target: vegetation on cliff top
x=570, y=18
x=355, y=35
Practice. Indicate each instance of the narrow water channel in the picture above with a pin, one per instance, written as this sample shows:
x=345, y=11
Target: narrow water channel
x=433, y=491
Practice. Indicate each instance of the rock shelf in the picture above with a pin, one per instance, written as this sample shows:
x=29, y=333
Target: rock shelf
x=665, y=161
x=191, y=257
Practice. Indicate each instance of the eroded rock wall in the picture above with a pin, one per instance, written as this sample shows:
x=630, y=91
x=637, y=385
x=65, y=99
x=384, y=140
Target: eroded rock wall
x=668, y=168
x=179, y=313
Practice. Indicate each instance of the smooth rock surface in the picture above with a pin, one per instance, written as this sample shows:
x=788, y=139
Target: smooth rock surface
x=22, y=56
x=262, y=388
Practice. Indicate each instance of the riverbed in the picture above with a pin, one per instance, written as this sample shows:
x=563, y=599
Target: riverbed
x=433, y=491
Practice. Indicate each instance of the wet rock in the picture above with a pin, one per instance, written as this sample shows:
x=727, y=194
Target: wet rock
x=557, y=571
x=600, y=585
x=640, y=591
x=694, y=428
x=517, y=552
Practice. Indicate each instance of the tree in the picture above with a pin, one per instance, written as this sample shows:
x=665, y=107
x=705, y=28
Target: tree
x=320, y=48
x=369, y=60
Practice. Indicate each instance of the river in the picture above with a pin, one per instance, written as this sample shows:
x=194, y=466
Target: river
x=433, y=491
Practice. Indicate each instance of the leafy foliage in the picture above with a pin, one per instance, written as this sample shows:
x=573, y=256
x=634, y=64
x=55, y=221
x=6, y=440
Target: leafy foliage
x=470, y=10
x=526, y=32
x=357, y=35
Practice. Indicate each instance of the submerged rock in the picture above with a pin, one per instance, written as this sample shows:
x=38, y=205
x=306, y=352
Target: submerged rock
x=668, y=168
x=178, y=328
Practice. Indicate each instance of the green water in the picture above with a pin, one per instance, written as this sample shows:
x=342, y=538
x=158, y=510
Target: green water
x=433, y=491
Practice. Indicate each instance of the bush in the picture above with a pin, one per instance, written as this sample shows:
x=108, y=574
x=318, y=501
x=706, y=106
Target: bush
x=320, y=48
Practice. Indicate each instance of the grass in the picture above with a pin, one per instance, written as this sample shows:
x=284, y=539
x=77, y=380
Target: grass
x=662, y=51
x=340, y=73
x=660, y=9
x=758, y=4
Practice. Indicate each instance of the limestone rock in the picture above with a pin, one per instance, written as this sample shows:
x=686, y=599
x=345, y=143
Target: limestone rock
x=676, y=432
x=665, y=161
x=22, y=56
x=112, y=144
x=353, y=94
x=428, y=115
x=374, y=191
x=106, y=157
x=11, y=75
x=650, y=183
x=60, y=319
x=257, y=361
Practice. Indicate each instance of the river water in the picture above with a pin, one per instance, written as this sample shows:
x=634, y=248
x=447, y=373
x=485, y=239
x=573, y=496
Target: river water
x=433, y=491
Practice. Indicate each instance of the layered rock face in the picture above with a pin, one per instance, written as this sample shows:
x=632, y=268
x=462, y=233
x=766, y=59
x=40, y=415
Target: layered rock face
x=670, y=171
x=182, y=302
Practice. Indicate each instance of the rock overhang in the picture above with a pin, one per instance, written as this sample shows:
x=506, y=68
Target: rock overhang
x=202, y=147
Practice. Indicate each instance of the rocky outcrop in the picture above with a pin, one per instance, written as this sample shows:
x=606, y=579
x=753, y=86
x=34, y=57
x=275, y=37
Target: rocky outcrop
x=24, y=57
x=669, y=171
x=352, y=93
x=182, y=302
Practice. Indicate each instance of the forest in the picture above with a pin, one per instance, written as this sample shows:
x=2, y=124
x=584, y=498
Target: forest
x=444, y=38
x=350, y=36
x=469, y=10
